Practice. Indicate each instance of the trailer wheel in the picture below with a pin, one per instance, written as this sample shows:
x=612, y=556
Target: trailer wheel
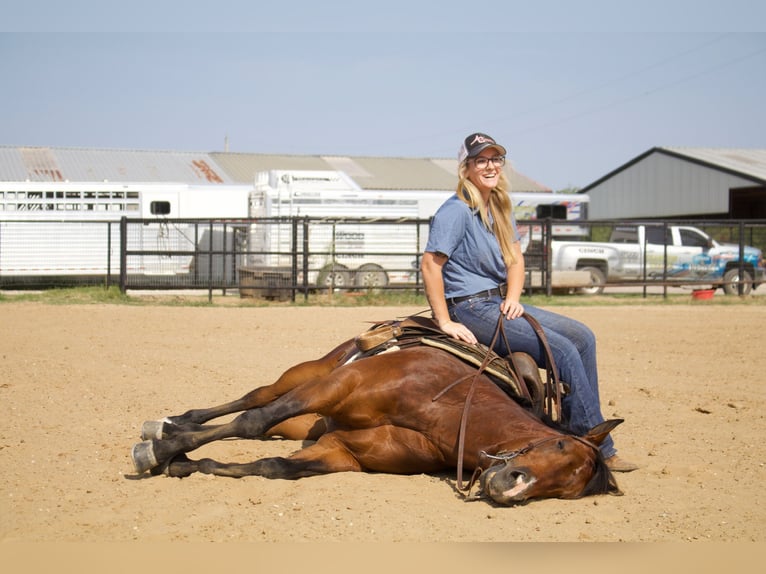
x=731, y=281
x=334, y=276
x=597, y=282
x=370, y=276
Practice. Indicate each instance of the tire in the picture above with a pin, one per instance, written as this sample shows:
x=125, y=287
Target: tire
x=597, y=282
x=370, y=276
x=731, y=282
x=334, y=276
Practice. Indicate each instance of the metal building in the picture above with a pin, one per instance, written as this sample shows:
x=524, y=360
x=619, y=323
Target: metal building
x=52, y=164
x=673, y=182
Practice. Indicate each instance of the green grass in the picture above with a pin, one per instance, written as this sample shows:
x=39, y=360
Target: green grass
x=68, y=296
x=112, y=296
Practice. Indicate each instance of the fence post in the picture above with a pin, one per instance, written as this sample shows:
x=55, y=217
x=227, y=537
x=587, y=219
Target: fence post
x=664, y=261
x=548, y=266
x=294, y=259
x=741, y=264
x=224, y=259
x=108, y=254
x=305, y=258
x=210, y=263
x=123, y=254
x=197, y=254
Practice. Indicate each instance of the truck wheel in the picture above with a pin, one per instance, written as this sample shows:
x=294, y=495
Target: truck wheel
x=731, y=281
x=597, y=282
x=370, y=276
x=334, y=276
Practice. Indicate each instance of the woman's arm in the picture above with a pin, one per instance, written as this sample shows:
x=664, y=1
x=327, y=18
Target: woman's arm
x=431, y=267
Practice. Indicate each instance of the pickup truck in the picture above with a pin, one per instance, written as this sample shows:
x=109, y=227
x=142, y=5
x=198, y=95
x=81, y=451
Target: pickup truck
x=637, y=252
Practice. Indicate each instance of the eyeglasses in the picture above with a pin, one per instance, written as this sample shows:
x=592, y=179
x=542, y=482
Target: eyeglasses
x=483, y=162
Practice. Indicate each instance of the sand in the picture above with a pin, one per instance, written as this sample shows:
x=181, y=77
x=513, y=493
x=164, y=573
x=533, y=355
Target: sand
x=77, y=381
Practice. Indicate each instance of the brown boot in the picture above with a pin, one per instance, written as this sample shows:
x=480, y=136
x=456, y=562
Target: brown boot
x=617, y=464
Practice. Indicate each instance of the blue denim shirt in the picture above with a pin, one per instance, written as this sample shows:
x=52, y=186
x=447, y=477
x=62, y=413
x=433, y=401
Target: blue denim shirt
x=475, y=262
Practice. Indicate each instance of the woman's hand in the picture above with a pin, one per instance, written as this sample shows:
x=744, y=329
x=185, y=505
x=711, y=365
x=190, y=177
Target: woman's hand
x=458, y=331
x=511, y=309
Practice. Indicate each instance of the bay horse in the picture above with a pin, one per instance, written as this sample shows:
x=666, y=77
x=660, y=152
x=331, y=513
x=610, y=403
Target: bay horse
x=410, y=410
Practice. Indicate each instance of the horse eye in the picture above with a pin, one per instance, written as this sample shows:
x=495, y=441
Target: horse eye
x=561, y=445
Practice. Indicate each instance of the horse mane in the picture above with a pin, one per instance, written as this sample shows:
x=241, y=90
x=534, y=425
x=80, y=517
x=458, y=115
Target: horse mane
x=602, y=481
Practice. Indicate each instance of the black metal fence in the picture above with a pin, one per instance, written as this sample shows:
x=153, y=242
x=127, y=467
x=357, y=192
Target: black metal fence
x=288, y=258
x=696, y=254
x=280, y=258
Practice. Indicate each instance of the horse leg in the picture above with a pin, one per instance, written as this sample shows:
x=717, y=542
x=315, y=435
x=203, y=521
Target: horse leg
x=312, y=460
x=155, y=452
x=303, y=427
x=381, y=449
x=291, y=378
x=251, y=424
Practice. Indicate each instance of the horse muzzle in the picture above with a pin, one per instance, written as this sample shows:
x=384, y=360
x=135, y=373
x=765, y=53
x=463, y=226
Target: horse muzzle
x=506, y=484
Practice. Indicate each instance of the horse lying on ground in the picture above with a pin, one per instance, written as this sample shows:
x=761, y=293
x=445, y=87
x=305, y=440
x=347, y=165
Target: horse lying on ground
x=414, y=410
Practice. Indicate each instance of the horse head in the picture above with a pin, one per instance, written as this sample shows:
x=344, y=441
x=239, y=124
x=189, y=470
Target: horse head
x=557, y=466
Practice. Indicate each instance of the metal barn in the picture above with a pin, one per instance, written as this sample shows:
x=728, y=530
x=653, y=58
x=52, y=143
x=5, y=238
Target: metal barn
x=60, y=164
x=693, y=183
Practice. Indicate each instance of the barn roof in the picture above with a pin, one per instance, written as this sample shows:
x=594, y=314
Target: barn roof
x=747, y=163
x=743, y=162
x=85, y=164
x=400, y=173
x=95, y=164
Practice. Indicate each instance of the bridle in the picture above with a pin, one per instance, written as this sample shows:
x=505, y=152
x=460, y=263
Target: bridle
x=507, y=456
x=553, y=386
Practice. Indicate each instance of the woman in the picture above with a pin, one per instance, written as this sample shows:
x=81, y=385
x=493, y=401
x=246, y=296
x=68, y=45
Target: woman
x=473, y=270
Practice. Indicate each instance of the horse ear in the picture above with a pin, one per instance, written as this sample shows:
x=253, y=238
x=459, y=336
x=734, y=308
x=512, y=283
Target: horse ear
x=598, y=433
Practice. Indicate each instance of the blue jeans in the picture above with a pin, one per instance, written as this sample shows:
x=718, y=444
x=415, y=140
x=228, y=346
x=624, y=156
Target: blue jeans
x=573, y=346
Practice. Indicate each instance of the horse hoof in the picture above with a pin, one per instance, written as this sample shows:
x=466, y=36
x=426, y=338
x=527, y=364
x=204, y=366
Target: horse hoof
x=143, y=456
x=152, y=429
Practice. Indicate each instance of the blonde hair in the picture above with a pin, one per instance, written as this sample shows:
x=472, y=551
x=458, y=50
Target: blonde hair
x=499, y=208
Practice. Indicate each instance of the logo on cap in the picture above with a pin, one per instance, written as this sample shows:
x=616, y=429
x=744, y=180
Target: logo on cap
x=480, y=139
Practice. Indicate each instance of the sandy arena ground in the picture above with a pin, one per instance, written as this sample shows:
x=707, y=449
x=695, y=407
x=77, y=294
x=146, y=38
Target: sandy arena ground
x=77, y=381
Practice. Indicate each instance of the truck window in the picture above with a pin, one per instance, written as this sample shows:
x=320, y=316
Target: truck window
x=659, y=236
x=624, y=235
x=691, y=238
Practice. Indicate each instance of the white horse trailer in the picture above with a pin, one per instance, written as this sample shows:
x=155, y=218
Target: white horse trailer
x=356, y=237
x=71, y=229
x=346, y=250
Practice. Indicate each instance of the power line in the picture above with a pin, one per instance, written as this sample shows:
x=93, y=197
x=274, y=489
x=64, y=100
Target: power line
x=629, y=75
x=643, y=94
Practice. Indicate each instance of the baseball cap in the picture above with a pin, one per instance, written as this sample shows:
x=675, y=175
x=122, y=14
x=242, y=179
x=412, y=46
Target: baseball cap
x=476, y=143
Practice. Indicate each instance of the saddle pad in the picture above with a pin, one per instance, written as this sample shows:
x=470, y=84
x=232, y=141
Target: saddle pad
x=476, y=355
x=390, y=335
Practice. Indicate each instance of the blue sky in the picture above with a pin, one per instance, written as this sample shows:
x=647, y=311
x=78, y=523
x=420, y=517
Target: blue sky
x=572, y=89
